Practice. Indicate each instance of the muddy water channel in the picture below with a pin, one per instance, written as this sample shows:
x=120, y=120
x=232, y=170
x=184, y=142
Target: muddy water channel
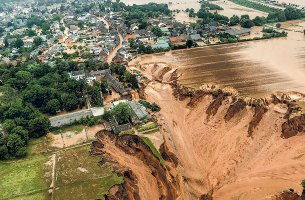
x=253, y=68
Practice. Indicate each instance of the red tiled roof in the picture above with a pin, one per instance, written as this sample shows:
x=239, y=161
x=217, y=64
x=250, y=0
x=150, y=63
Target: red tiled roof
x=173, y=39
x=133, y=36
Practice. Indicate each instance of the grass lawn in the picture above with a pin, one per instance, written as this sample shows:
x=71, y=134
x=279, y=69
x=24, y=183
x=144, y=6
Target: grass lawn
x=154, y=150
x=36, y=196
x=40, y=146
x=147, y=127
x=80, y=177
x=23, y=177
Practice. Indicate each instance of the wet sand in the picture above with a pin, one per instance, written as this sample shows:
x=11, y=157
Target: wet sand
x=254, y=68
x=297, y=2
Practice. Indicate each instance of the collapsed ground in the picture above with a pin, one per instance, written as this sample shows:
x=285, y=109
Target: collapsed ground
x=215, y=145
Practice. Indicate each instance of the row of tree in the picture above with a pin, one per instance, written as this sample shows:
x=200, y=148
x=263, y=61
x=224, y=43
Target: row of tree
x=31, y=90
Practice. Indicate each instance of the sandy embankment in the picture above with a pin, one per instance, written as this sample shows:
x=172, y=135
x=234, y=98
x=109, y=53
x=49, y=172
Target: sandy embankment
x=218, y=157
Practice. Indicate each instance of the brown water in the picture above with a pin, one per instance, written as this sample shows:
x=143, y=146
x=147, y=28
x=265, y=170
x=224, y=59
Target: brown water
x=253, y=68
x=297, y=2
x=230, y=8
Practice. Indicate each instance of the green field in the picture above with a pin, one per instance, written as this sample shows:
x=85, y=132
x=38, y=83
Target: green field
x=24, y=177
x=78, y=175
x=256, y=6
x=83, y=179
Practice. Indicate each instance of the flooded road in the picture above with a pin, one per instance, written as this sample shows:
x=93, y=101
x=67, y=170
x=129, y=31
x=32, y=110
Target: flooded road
x=253, y=68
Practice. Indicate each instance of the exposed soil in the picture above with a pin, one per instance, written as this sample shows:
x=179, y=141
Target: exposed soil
x=207, y=130
x=145, y=178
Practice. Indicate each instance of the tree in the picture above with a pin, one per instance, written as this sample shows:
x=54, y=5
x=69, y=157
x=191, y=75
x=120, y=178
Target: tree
x=122, y=113
x=189, y=43
x=143, y=25
x=104, y=85
x=278, y=25
x=31, y=33
x=21, y=152
x=23, y=78
x=157, y=31
x=244, y=17
x=130, y=78
x=3, y=148
x=3, y=152
x=192, y=13
x=14, y=144
x=246, y=23
x=37, y=41
x=39, y=126
x=292, y=13
x=18, y=43
x=95, y=94
x=8, y=125
x=24, y=134
x=1, y=31
x=69, y=102
x=259, y=21
x=234, y=20
x=53, y=106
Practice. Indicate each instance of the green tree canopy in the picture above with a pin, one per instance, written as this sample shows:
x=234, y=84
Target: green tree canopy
x=122, y=113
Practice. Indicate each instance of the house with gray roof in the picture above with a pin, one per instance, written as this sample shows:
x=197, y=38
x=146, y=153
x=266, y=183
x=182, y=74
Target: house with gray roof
x=70, y=118
x=238, y=32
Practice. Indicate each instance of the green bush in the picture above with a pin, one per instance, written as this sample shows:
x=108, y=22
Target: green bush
x=153, y=107
x=147, y=127
x=303, y=184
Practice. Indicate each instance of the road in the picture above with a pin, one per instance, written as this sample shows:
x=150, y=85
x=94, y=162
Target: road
x=113, y=53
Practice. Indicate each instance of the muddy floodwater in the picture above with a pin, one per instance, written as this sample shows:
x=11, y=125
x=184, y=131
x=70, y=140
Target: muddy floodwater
x=297, y=2
x=253, y=68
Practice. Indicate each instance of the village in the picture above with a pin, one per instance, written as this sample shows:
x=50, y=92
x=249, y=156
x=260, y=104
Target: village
x=66, y=79
x=100, y=34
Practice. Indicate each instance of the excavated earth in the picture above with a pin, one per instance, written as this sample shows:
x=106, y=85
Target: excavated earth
x=218, y=145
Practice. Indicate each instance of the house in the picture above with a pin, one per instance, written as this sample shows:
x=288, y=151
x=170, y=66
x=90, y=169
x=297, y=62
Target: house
x=134, y=27
x=165, y=31
x=96, y=50
x=195, y=37
x=238, y=32
x=77, y=75
x=28, y=44
x=161, y=44
x=70, y=118
x=182, y=38
x=173, y=39
x=139, y=112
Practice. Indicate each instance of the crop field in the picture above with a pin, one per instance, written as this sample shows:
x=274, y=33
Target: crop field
x=24, y=179
x=77, y=174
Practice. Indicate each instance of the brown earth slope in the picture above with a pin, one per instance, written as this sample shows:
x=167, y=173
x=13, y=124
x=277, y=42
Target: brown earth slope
x=217, y=145
x=208, y=130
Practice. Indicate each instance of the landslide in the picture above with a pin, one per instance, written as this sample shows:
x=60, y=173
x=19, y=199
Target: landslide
x=227, y=146
x=144, y=176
